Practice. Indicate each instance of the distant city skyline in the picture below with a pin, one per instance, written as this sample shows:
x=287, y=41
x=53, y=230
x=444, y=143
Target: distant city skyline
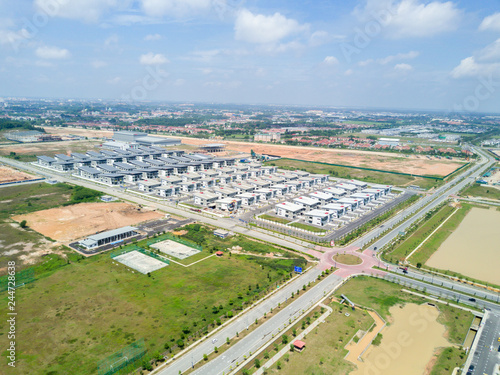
x=391, y=54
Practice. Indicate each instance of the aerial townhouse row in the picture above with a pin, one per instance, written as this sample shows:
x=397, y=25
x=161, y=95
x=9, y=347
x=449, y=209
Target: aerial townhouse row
x=323, y=206
x=249, y=192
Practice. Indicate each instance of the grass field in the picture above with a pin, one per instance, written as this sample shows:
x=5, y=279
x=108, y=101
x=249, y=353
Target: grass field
x=367, y=176
x=478, y=190
x=308, y=227
x=432, y=244
x=28, y=152
x=78, y=314
x=325, y=351
x=281, y=220
x=348, y=259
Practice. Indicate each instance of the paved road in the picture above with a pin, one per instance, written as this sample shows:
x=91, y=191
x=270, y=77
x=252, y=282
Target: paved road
x=263, y=332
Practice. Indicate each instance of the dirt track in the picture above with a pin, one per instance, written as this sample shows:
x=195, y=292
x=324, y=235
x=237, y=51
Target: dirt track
x=12, y=175
x=77, y=221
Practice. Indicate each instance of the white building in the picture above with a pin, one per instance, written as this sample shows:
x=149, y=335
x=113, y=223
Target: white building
x=289, y=210
x=318, y=217
x=228, y=204
x=307, y=202
x=205, y=199
x=323, y=197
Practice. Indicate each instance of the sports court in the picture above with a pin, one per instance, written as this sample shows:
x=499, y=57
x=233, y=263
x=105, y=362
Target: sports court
x=175, y=249
x=140, y=262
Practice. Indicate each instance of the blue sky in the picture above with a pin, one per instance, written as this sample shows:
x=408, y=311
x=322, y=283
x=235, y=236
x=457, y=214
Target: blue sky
x=368, y=53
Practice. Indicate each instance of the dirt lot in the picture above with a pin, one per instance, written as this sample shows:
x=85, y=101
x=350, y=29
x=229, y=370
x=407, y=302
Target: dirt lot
x=11, y=175
x=77, y=221
x=50, y=148
x=378, y=160
x=407, y=346
x=472, y=249
x=81, y=132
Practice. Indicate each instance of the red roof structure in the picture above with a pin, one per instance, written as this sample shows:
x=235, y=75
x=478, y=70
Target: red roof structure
x=219, y=253
x=299, y=344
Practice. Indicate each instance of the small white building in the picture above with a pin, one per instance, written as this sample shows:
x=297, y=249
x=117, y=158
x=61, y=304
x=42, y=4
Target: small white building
x=351, y=189
x=355, y=203
x=289, y=210
x=377, y=193
x=225, y=192
x=148, y=186
x=323, y=197
x=365, y=197
x=265, y=194
x=336, y=192
x=339, y=209
x=359, y=184
x=318, y=217
x=307, y=202
x=228, y=204
x=248, y=199
x=280, y=189
x=168, y=191
x=205, y=199
x=171, y=180
x=244, y=188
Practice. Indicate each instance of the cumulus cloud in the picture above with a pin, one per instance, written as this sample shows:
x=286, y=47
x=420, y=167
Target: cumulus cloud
x=261, y=29
x=151, y=37
x=153, y=59
x=157, y=8
x=98, y=64
x=410, y=18
x=484, y=62
x=330, y=60
x=388, y=59
x=491, y=22
x=52, y=53
x=403, y=67
x=86, y=10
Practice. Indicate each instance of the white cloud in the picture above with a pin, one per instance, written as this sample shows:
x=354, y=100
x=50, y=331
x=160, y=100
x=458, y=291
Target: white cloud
x=158, y=8
x=13, y=37
x=52, y=53
x=491, y=22
x=151, y=37
x=400, y=56
x=86, y=10
x=98, y=64
x=111, y=40
x=410, y=18
x=469, y=67
x=153, y=59
x=114, y=81
x=348, y=72
x=388, y=59
x=491, y=52
x=330, y=60
x=403, y=67
x=261, y=29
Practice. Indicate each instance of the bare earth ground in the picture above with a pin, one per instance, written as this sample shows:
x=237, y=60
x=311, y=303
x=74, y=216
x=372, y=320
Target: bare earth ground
x=369, y=159
x=408, y=344
x=11, y=175
x=356, y=349
x=49, y=148
x=378, y=160
x=77, y=221
x=80, y=132
x=473, y=248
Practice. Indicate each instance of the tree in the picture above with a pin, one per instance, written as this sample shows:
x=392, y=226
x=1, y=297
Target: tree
x=292, y=347
x=257, y=363
x=23, y=224
x=216, y=349
x=284, y=339
x=266, y=355
x=278, y=365
x=205, y=357
x=180, y=343
x=419, y=265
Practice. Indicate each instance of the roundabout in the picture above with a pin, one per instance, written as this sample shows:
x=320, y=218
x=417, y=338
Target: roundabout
x=347, y=259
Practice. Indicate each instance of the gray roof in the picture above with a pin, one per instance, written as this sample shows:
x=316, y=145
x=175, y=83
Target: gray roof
x=157, y=140
x=125, y=166
x=46, y=158
x=89, y=170
x=108, y=168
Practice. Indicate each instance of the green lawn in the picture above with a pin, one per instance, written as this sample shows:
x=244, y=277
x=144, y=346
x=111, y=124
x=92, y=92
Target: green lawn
x=432, y=244
x=274, y=218
x=325, y=351
x=478, y=190
x=308, y=227
x=78, y=314
x=367, y=176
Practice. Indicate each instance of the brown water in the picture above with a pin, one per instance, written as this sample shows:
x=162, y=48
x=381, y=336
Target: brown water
x=408, y=344
x=473, y=248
